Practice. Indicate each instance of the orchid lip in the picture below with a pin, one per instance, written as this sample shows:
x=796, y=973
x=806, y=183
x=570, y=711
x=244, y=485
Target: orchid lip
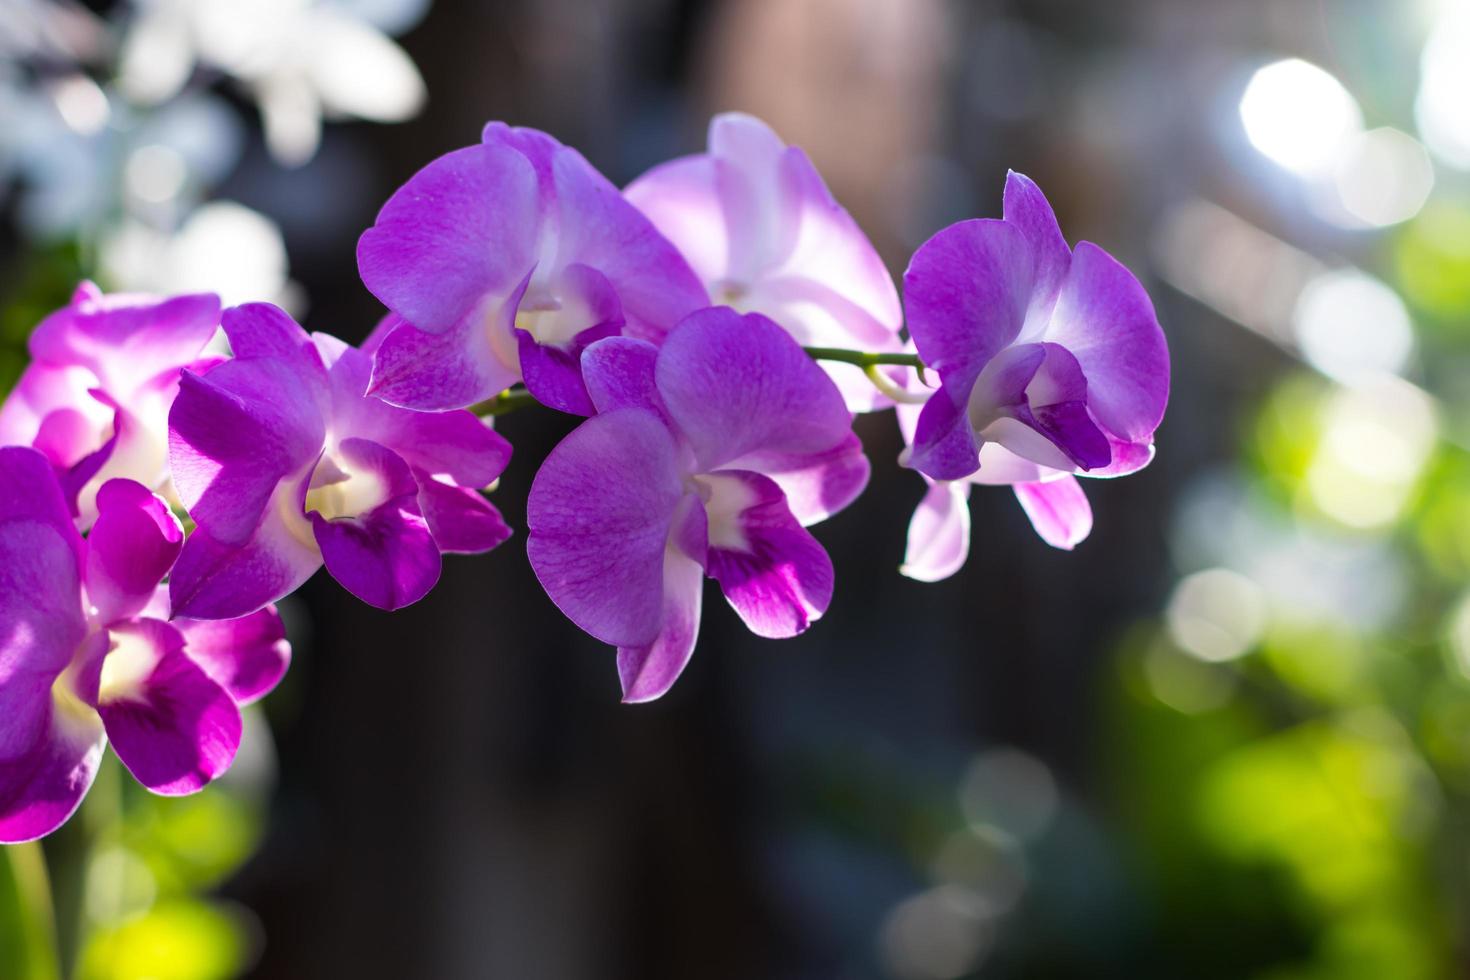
x=337, y=490
x=725, y=499
x=125, y=669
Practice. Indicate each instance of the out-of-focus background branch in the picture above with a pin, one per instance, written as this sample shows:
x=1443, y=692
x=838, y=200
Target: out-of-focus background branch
x=1228, y=736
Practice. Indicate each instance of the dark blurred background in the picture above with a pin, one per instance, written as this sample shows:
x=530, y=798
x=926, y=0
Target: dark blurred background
x=1226, y=737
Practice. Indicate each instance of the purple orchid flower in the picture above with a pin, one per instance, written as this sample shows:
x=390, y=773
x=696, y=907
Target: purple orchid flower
x=504, y=262
x=285, y=464
x=87, y=654
x=708, y=456
x=95, y=397
x=1052, y=365
x=763, y=232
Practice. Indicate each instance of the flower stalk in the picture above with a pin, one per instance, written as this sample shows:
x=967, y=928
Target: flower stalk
x=863, y=359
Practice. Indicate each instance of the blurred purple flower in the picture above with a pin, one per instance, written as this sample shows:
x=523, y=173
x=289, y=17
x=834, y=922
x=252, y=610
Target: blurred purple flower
x=96, y=396
x=504, y=261
x=763, y=232
x=87, y=655
x=1051, y=363
x=709, y=456
x=285, y=463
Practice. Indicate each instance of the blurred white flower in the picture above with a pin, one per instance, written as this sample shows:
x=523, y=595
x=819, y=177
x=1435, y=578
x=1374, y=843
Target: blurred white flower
x=68, y=140
x=223, y=248
x=59, y=31
x=300, y=59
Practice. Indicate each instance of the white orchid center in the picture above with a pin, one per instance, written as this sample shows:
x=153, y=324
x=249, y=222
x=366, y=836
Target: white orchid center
x=340, y=489
x=553, y=321
x=130, y=661
x=725, y=498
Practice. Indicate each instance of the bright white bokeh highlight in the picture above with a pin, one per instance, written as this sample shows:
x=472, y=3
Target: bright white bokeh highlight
x=1299, y=115
x=1216, y=615
x=1384, y=177
x=1376, y=439
x=223, y=248
x=1350, y=325
x=1442, y=107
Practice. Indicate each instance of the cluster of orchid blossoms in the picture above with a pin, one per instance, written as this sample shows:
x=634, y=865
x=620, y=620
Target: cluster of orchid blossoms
x=717, y=324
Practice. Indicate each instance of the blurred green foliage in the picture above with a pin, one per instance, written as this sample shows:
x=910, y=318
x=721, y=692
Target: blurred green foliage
x=133, y=875
x=176, y=940
x=27, y=938
x=43, y=281
x=1301, y=810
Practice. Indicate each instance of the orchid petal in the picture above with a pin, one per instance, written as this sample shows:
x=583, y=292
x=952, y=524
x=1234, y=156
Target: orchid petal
x=246, y=656
x=1001, y=466
x=966, y=293
x=455, y=444
x=460, y=519
x=29, y=491
x=125, y=339
x=773, y=572
x=50, y=408
x=599, y=516
x=1028, y=209
x=939, y=533
x=41, y=626
x=764, y=234
x=463, y=228
x=434, y=372
x=1058, y=510
x=619, y=373
x=816, y=485
x=40, y=790
x=739, y=384
x=219, y=580
x=173, y=726
x=1105, y=319
x=838, y=270
x=944, y=446
x=386, y=556
x=760, y=207
x=681, y=200
x=264, y=330
x=599, y=229
x=647, y=672
x=551, y=369
x=131, y=548
x=234, y=435
x=1128, y=457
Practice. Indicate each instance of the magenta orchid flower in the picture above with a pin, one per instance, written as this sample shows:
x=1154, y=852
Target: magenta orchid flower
x=88, y=656
x=1054, y=354
x=1052, y=365
x=708, y=457
x=96, y=395
x=504, y=262
x=286, y=464
x=763, y=232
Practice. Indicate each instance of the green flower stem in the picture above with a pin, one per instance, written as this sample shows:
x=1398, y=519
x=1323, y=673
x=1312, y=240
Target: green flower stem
x=863, y=359
x=886, y=385
x=504, y=403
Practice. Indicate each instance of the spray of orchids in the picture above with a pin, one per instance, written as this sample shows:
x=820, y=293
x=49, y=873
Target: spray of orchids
x=717, y=324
